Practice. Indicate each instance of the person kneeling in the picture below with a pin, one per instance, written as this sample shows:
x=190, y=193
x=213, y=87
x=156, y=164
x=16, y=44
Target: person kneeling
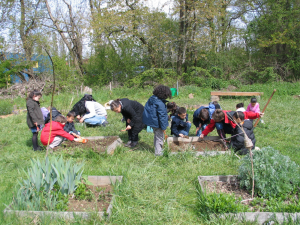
x=238, y=136
x=57, y=133
x=180, y=125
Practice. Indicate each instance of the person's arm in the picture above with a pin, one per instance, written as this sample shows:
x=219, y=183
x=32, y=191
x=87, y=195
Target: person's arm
x=174, y=128
x=251, y=115
x=162, y=116
x=89, y=105
x=209, y=128
x=248, y=108
x=257, y=109
x=64, y=134
x=132, y=114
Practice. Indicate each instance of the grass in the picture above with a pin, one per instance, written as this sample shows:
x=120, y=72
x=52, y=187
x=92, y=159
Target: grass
x=155, y=190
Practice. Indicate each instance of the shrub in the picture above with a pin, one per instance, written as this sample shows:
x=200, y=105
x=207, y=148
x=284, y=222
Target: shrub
x=5, y=107
x=274, y=173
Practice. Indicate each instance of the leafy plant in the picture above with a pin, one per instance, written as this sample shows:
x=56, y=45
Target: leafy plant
x=275, y=174
x=5, y=107
x=83, y=193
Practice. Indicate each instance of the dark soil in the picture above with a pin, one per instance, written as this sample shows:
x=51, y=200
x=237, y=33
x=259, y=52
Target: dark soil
x=99, y=145
x=199, y=146
x=101, y=199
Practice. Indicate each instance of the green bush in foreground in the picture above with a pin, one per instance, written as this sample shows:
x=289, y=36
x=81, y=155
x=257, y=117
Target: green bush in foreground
x=48, y=184
x=274, y=174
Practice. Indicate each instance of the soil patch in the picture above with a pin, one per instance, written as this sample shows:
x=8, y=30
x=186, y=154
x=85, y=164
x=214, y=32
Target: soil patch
x=200, y=146
x=232, y=187
x=101, y=199
x=99, y=145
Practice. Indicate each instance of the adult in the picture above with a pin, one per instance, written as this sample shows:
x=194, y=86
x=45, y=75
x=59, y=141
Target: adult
x=89, y=111
x=132, y=112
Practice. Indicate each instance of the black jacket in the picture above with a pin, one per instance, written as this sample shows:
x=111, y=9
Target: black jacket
x=178, y=124
x=55, y=113
x=70, y=128
x=132, y=110
x=34, y=113
x=237, y=142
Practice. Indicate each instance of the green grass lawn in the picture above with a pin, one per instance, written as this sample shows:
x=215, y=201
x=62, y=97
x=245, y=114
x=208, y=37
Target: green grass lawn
x=155, y=190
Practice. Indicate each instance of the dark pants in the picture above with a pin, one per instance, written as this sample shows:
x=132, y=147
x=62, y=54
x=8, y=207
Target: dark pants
x=133, y=133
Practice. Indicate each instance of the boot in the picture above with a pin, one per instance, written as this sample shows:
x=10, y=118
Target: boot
x=133, y=144
x=128, y=144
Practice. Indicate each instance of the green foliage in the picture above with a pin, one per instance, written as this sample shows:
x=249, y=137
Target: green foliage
x=154, y=77
x=83, y=193
x=46, y=182
x=266, y=76
x=5, y=107
x=274, y=173
x=213, y=203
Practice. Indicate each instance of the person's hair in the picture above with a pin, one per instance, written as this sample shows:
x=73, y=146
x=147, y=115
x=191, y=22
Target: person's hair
x=240, y=105
x=115, y=104
x=60, y=119
x=71, y=114
x=218, y=115
x=239, y=115
x=162, y=92
x=217, y=105
x=253, y=100
x=181, y=110
x=34, y=93
x=204, y=114
x=79, y=107
x=171, y=106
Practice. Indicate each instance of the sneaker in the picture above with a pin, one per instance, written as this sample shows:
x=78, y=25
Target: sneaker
x=133, y=144
x=104, y=123
x=39, y=148
x=128, y=144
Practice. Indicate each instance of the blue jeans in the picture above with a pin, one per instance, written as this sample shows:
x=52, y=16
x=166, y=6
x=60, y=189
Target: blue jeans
x=226, y=127
x=95, y=120
x=199, y=132
x=186, y=129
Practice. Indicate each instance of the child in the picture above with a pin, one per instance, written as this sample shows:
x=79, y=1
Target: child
x=132, y=111
x=55, y=113
x=240, y=107
x=254, y=107
x=180, y=125
x=223, y=121
x=57, y=132
x=237, y=139
x=202, y=116
x=173, y=109
x=69, y=127
x=155, y=115
x=34, y=116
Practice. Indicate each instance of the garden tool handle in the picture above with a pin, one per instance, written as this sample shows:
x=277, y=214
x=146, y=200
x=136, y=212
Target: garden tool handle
x=264, y=108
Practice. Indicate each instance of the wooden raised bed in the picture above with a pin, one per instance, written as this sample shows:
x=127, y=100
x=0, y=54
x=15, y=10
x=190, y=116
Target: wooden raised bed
x=260, y=217
x=95, y=180
x=209, y=145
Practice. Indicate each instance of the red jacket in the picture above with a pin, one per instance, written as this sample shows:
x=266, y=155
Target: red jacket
x=57, y=130
x=211, y=126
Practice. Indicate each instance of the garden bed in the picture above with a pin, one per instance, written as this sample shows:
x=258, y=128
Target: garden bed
x=211, y=145
x=230, y=185
x=100, y=144
x=101, y=203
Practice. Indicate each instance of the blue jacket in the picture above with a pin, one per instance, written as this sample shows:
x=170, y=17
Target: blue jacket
x=196, y=119
x=155, y=113
x=178, y=124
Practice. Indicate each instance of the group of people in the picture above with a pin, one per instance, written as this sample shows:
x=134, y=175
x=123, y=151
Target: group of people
x=154, y=114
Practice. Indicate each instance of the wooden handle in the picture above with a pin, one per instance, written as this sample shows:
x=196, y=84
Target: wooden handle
x=264, y=108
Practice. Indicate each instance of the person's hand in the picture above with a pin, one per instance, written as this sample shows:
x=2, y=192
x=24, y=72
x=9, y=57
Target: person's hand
x=78, y=117
x=81, y=120
x=36, y=124
x=76, y=135
x=188, y=121
x=128, y=127
x=181, y=135
x=202, y=136
x=197, y=129
x=76, y=139
x=261, y=114
x=128, y=120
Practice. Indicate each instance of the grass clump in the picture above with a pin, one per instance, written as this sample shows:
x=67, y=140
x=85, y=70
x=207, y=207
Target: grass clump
x=48, y=184
x=275, y=174
x=6, y=107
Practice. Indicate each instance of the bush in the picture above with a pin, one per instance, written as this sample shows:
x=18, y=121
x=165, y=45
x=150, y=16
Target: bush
x=274, y=173
x=5, y=107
